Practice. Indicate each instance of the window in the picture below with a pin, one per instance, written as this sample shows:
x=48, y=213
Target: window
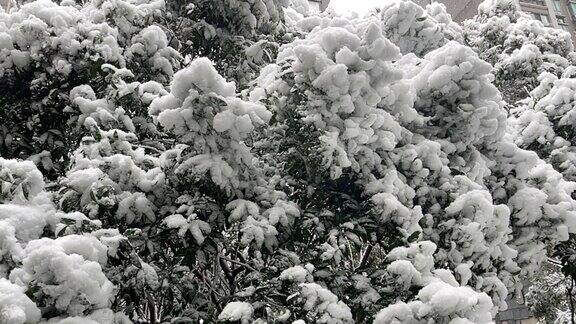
x=573, y=8
x=543, y=18
x=537, y=2
x=557, y=6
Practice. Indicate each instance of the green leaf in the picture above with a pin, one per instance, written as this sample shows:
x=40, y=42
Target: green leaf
x=30, y=292
x=412, y=238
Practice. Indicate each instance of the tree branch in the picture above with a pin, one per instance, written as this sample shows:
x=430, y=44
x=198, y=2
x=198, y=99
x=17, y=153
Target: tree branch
x=365, y=257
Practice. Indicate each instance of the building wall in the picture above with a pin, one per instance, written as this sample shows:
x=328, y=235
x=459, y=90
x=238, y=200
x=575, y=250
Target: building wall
x=517, y=313
x=554, y=13
x=6, y=4
x=320, y=4
x=461, y=9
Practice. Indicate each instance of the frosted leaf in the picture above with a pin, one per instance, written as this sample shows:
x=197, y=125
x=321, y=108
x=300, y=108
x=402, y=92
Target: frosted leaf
x=197, y=228
x=258, y=232
x=240, y=209
x=147, y=275
x=111, y=238
x=135, y=207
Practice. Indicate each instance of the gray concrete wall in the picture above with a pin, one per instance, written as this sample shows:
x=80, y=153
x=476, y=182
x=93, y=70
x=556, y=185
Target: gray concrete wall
x=461, y=10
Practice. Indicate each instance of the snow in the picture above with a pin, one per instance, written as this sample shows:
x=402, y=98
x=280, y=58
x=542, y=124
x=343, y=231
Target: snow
x=464, y=76
x=440, y=293
x=240, y=209
x=446, y=299
x=300, y=6
x=296, y=274
x=461, y=304
x=282, y=212
x=147, y=275
x=461, y=154
x=450, y=90
x=200, y=77
x=89, y=248
x=216, y=132
x=111, y=238
x=496, y=7
x=237, y=311
x=153, y=38
x=37, y=19
x=407, y=275
x=20, y=181
x=82, y=180
x=151, y=43
x=135, y=207
x=529, y=203
x=197, y=228
x=70, y=282
x=415, y=30
x=258, y=232
x=324, y=304
x=10, y=249
x=100, y=316
x=15, y=306
x=28, y=221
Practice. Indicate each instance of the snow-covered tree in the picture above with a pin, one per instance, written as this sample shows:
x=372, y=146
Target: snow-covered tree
x=42, y=276
x=551, y=296
x=239, y=36
x=409, y=150
x=359, y=172
x=413, y=29
x=540, y=78
x=544, y=122
x=519, y=47
x=49, y=49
